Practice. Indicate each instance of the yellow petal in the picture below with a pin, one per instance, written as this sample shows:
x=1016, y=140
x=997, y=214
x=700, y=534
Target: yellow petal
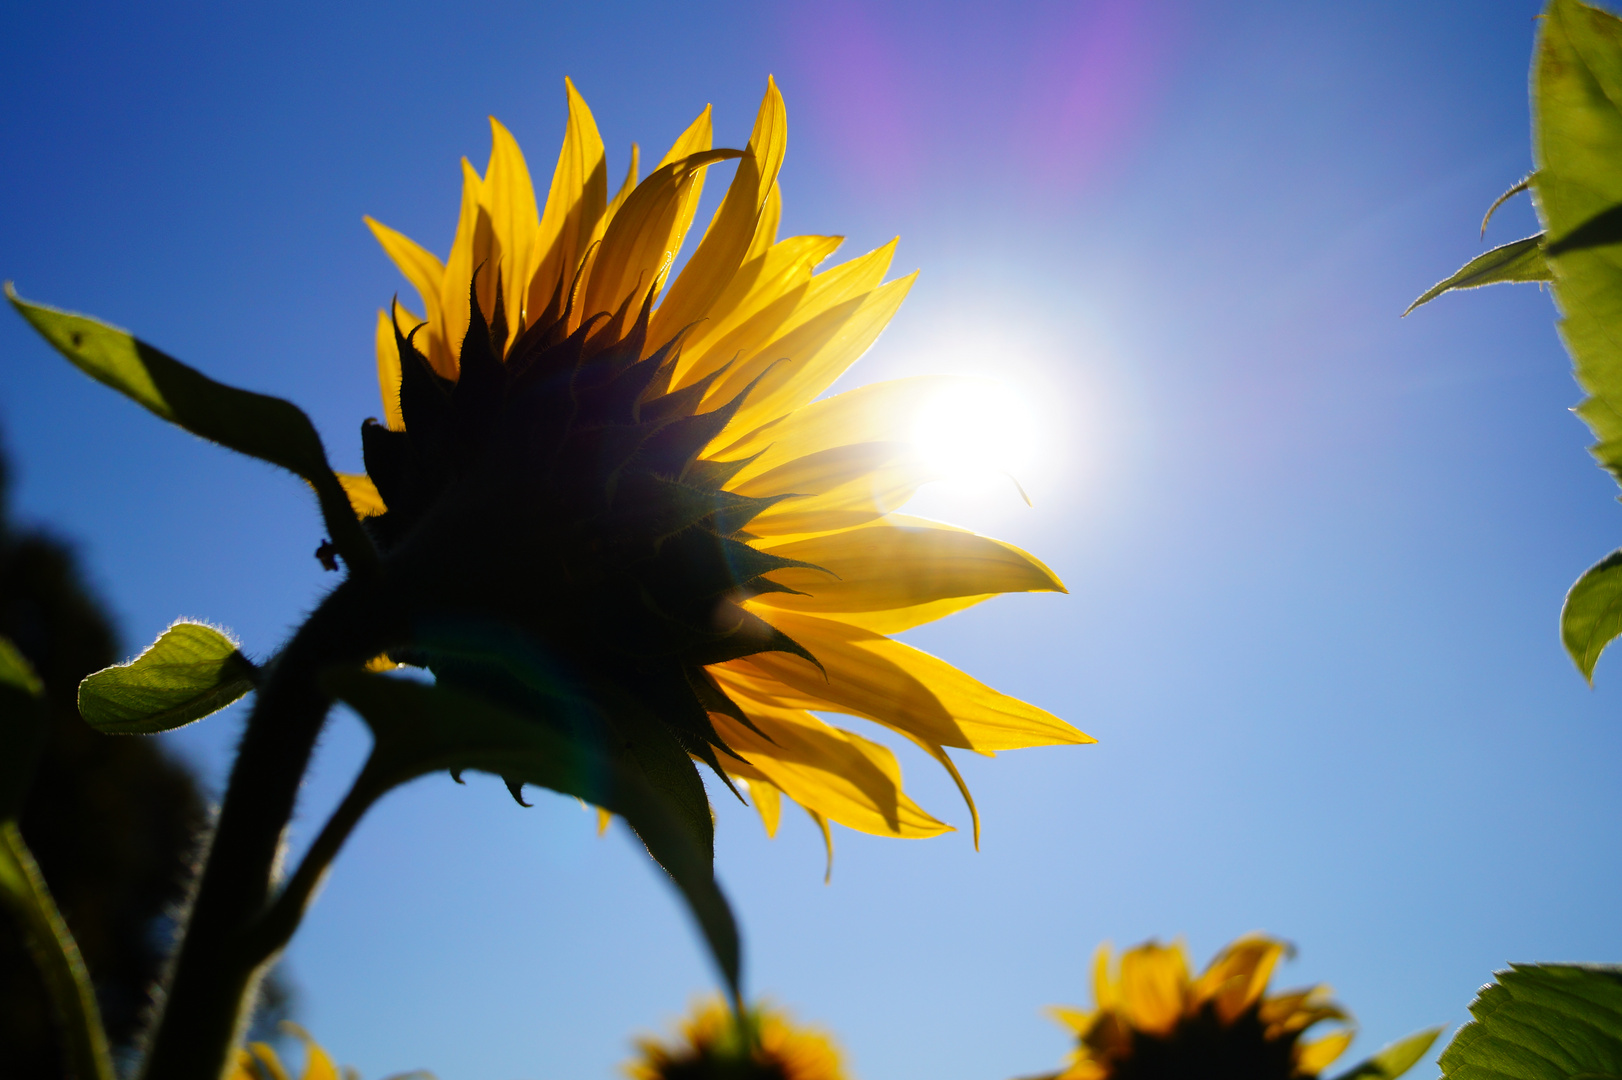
x=768, y=803
x=1153, y=981
x=731, y=234
x=646, y=233
x=839, y=774
x=388, y=372
x=265, y=1061
x=762, y=296
x=837, y=488
x=1106, y=995
x=1313, y=1057
x=1077, y=1020
x=574, y=206
x=771, y=215
x=827, y=842
x=422, y=268
x=897, y=620
x=363, y=496
x=816, y=353
x=938, y=752
x=628, y=186
x=475, y=247
x=896, y=685
x=510, y=198
x=1236, y=979
x=604, y=820
x=829, y=295
x=876, y=412
x=886, y=565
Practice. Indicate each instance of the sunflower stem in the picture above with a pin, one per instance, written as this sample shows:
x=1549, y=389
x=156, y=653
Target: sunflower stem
x=221, y=958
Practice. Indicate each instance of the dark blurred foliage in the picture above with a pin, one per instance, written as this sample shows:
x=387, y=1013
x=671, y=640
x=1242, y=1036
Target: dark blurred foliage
x=114, y=821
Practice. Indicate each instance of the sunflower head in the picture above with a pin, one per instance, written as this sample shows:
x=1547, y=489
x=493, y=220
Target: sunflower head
x=1152, y=1021
x=716, y=1044
x=613, y=496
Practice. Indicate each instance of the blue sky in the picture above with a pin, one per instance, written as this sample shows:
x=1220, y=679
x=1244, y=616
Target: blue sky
x=1315, y=553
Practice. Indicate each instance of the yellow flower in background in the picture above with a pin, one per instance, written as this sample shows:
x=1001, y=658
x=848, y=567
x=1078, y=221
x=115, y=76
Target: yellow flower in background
x=684, y=523
x=259, y=1061
x=712, y=1043
x=1151, y=1019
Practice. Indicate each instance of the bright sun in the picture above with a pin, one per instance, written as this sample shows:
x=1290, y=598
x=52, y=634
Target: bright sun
x=974, y=431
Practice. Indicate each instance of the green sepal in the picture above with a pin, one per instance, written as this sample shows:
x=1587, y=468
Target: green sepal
x=1523, y=184
x=1541, y=1022
x=1520, y=260
x=1393, y=1060
x=1592, y=616
x=258, y=425
x=192, y=670
x=422, y=729
x=24, y=723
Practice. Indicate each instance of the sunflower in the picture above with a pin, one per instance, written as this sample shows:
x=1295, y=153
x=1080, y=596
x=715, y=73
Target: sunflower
x=638, y=471
x=259, y=1061
x=715, y=1044
x=1151, y=1021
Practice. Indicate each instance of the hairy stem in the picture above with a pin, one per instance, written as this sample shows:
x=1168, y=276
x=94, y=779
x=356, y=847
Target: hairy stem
x=221, y=958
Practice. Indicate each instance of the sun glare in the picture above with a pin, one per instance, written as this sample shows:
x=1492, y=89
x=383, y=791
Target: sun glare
x=976, y=432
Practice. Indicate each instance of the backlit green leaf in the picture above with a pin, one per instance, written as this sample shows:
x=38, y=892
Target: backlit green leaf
x=191, y=671
x=1542, y=1022
x=1592, y=617
x=1577, y=144
x=1395, y=1059
x=258, y=425
x=422, y=729
x=1521, y=260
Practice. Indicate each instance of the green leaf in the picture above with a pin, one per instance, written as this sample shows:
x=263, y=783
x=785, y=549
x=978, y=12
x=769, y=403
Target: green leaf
x=23, y=891
x=1577, y=145
x=258, y=425
x=23, y=726
x=1592, y=616
x=1523, y=184
x=421, y=729
x=1521, y=260
x=1395, y=1059
x=191, y=671
x=1541, y=1022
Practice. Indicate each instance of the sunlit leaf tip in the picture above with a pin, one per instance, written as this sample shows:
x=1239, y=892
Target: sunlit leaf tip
x=191, y=671
x=1518, y=261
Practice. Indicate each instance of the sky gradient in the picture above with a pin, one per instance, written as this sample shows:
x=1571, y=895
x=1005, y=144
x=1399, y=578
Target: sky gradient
x=1315, y=552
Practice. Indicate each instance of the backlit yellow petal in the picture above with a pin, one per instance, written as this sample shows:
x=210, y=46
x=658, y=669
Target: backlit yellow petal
x=883, y=565
x=574, y=206
x=421, y=267
x=826, y=300
x=510, y=197
x=388, y=372
x=896, y=620
x=265, y=1062
x=1154, y=979
x=841, y=775
x=899, y=686
x=627, y=186
x=1077, y=1020
x=363, y=496
x=762, y=296
x=646, y=233
x=1314, y=1057
x=475, y=247
x=838, y=488
x=771, y=215
x=732, y=232
x=818, y=352
x=872, y=413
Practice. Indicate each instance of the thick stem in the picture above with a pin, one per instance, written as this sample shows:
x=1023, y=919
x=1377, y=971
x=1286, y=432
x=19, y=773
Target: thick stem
x=221, y=960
